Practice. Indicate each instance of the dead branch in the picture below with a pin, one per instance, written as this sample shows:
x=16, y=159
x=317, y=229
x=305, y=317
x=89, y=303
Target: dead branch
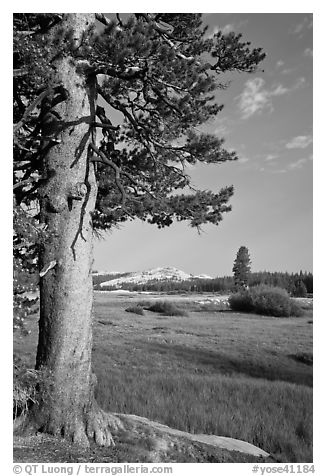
x=22, y=183
x=20, y=72
x=105, y=126
x=105, y=21
x=30, y=108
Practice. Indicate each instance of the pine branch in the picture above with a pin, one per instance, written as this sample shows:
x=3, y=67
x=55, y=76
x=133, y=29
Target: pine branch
x=105, y=126
x=17, y=73
x=30, y=109
x=106, y=21
x=128, y=73
x=172, y=86
x=120, y=107
x=118, y=172
x=165, y=35
x=22, y=183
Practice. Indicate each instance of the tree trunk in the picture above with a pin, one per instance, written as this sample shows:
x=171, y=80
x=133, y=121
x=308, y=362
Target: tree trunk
x=66, y=403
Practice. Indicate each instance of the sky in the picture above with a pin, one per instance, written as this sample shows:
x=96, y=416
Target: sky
x=267, y=118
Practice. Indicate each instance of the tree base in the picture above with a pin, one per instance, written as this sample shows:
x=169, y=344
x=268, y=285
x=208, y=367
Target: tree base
x=96, y=425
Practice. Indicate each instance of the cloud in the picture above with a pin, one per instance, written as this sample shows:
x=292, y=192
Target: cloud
x=256, y=98
x=308, y=52
x=222, y=126
x=228, y=27
x=287, y=70
x=300, y=28
x=270, y=157
x=279, y=63
x=297, y=164
x=224, y=29
x=243, y=160
x=279, y=90
x=299, y=83
x=299, y=142
x=279, y=171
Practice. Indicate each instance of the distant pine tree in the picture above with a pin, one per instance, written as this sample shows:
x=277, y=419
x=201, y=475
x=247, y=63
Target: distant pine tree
x=300, y=289
x=241, y=268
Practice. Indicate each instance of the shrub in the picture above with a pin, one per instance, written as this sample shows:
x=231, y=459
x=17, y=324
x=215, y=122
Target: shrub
x=296, y=309
x=136, y=309
x=241, y=302
x=24, y=387
x=167, y=309
x=304, y=357
x=30, y=386
x=266, y=300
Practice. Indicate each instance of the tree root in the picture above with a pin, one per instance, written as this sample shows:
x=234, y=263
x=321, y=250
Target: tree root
x=100, y=426
x=95, y=425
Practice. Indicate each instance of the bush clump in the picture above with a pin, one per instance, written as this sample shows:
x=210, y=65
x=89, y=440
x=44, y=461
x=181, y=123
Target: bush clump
x=24, y=387
x=30, y=386
x=265, y=300
x=304, y=357
x=166, y=308
x=137, y=309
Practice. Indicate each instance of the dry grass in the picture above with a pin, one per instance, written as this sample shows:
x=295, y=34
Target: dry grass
x=215, y=372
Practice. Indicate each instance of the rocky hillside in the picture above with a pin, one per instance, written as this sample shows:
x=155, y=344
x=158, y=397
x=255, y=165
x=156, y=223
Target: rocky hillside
x=151, y=275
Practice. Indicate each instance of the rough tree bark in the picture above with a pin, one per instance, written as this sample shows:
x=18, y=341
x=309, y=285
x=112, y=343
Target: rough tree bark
x=66, y=404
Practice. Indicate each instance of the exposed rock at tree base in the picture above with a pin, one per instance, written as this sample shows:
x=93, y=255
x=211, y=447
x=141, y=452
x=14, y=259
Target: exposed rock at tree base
x=230, y=444
x=141, y=441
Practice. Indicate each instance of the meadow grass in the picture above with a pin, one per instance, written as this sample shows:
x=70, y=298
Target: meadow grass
x=215, y=372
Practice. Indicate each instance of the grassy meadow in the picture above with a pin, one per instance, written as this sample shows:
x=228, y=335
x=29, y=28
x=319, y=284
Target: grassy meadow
x=208, y=371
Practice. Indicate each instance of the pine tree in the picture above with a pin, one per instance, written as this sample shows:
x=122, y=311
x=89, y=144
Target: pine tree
x=300, y=289
x=241, y=268
x=83, y=171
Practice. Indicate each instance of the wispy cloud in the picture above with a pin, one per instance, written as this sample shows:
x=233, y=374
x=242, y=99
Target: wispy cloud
x=271, y=157
x=299, y=142
x=256, y=97
x=298, y=164
x=295, y=165
x=299, y=83
x=300, y=28
x=223, y=126
x=228, y=27
x=279, y=171
x=279, y=90
x=308, y=52
x=287, y=70
x=224, y=29
x=243, y=160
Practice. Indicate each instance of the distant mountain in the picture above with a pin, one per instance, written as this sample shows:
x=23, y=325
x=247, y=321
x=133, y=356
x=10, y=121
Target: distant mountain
x=156, y=274
x=107, y=273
